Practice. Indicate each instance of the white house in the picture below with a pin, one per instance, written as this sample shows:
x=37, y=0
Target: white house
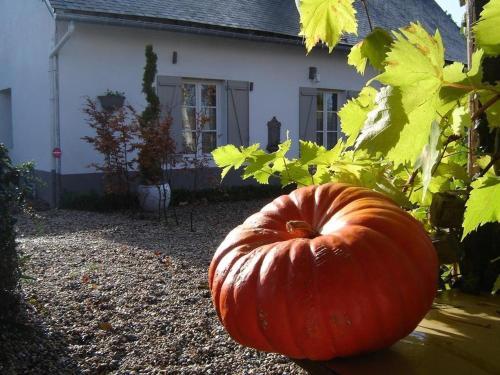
x=241, y=59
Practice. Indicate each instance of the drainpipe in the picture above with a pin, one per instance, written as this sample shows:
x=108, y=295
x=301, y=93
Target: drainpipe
x=55, y=113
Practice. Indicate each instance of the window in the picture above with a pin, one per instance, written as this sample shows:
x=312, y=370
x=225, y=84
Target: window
x=327, y=123
x=6, y=118
x=200, y=116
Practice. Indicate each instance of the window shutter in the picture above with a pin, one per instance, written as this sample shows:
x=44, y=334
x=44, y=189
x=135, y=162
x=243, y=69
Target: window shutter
x=238, y=109
x=307, y=113
x=170, y=94
x=352, y=94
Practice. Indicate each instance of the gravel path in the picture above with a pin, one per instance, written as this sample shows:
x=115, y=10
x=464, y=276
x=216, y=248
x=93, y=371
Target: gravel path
x=122, y=294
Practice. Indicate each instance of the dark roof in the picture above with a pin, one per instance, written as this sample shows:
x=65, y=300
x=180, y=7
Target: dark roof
x=274, y=18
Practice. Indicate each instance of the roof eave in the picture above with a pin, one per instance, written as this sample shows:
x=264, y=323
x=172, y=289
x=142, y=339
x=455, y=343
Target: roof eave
x=184, y=27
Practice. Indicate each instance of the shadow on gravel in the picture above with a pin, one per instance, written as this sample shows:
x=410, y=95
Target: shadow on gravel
x=26, y=347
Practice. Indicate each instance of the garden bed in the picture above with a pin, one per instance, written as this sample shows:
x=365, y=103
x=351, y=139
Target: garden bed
x=121, y=293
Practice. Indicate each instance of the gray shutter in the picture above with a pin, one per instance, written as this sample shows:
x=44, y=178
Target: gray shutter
x=352, y=94
x=308, y=105
x=170, y=94
x=238, y=113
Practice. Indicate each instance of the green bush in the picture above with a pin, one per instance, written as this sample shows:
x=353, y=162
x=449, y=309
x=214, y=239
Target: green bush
x=231, y=194
x=14, y=187
x=93, y=201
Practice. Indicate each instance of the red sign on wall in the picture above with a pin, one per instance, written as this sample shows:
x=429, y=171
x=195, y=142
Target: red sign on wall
x=57, y=153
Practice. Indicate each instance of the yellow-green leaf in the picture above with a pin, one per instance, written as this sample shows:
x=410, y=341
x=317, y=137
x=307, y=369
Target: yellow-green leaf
x=353, y=113
x=414, y=65
x=372, y=49
x=326, y=21
x=487, y=30
x=483, y=205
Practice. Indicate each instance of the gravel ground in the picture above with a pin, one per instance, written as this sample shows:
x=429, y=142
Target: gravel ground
x=124, y=294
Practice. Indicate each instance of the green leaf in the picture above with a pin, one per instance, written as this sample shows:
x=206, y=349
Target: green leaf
x=353, y=113
x=230, y=156
x=326, y=20
x=429, y=157
x=296, y=173
x=384, y=126
x=487, y=30
x=493, y=111
x=460, y=120
x=310, y=151
x=496, y=286
x=415, y=66
x=483, y=205
x=372, y=49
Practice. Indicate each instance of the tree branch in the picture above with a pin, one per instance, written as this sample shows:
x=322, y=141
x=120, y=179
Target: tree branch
x=483, y=108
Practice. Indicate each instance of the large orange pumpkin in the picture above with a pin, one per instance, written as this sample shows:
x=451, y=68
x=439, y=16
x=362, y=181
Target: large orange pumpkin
x=327, y=271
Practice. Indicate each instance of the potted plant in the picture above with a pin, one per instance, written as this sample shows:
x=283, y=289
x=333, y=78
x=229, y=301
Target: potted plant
x=156, y=146
x=112, y=100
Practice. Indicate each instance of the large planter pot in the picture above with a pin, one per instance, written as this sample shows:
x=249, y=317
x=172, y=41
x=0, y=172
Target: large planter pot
x=153, y=198
x=111, y=102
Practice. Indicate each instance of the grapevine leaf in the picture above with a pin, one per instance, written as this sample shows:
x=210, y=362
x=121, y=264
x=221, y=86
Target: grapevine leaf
x=310, y=151
x=460, y=120
x=429, y=157
x=330, y=156
x=262, y=165
x=483, y=205
x=496, y=286
x=456, y=80
x=487, y=30
x=259, y=168
x=230, y=156
x=326, y=20
x=371, y=49
x=353, y=113
x=296, y=173
x=415, y=66
x=384, y=125
x=493, y=111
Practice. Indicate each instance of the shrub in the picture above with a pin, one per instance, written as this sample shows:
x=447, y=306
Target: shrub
x=14, y=187
x=92, y=201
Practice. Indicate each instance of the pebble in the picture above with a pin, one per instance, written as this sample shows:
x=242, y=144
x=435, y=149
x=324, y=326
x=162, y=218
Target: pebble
x=147, y=279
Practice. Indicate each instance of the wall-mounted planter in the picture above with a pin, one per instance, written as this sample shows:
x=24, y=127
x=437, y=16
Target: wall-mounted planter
x=111, y=102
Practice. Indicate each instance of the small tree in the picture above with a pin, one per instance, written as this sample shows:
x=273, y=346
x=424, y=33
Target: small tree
x=115, y=131
x=196, y=162
x=149, y=122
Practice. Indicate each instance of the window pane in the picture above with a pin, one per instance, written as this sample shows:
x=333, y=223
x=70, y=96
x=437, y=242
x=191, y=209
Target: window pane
x=188, y=118
x=331, y=139
x=332, y=121
x=208, y=95
x=208, y=142
x=319, y=121
x=331, y=101
x=189, y=142
x=209, y=119
x=319, y=138
x=320, y=101
x=189, y=94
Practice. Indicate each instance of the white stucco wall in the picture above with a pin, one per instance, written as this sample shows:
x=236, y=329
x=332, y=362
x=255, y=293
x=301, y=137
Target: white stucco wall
x=26, y=31
x=99, y=57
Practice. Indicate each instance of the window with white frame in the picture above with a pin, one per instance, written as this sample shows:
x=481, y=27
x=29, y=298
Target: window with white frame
x=200, y=116
x=327, y=126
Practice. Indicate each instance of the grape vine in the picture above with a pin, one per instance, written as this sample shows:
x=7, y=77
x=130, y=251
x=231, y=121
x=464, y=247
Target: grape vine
x=408, y=137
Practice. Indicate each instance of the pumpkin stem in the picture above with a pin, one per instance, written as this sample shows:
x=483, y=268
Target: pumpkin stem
x=299, y=228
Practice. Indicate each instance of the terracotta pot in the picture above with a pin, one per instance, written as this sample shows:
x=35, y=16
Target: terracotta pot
x=153, y=198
